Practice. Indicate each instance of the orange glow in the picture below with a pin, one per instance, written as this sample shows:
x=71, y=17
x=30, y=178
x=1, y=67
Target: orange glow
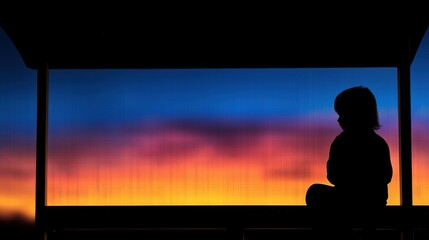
x=267, y=173
x=17, y=182
x=420, y=170
x=275, y=171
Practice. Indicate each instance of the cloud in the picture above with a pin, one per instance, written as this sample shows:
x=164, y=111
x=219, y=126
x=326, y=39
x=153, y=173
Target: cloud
x=17, y=172
x=169, y=141
x=298, y=172
x=17, y=161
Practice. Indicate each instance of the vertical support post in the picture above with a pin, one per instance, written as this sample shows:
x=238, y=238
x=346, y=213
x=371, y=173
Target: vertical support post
x=41, y=148
x=404, y=97
x=404, y=112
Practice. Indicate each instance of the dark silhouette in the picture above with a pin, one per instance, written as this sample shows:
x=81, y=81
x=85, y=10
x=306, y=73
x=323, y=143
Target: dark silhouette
x=359, y=164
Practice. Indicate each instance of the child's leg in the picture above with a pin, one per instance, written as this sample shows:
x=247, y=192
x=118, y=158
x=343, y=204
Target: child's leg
x=321, y=196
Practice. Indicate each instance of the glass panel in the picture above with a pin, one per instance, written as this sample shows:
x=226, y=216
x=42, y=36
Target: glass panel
x=17, y=133
x=201, y=136
x=420, y=123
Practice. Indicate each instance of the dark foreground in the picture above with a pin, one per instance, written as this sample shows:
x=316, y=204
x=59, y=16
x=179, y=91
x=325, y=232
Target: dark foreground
x=260, y=234
x=19, y=229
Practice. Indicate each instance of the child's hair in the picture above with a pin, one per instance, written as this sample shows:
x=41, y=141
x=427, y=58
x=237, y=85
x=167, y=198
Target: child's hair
x=358, y=108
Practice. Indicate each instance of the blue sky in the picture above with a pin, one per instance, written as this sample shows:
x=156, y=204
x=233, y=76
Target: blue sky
x=109, y=96
x=131, y=95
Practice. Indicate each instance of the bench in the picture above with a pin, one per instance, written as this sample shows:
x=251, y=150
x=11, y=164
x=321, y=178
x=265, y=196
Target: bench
x=232, y=221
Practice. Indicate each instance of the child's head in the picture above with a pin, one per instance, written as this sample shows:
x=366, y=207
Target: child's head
x=357, y=109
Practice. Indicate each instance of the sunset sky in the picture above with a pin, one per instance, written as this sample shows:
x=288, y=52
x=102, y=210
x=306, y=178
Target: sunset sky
x=196, y=136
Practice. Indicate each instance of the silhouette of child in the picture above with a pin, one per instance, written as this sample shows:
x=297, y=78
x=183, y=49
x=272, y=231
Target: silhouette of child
x=359, y=165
